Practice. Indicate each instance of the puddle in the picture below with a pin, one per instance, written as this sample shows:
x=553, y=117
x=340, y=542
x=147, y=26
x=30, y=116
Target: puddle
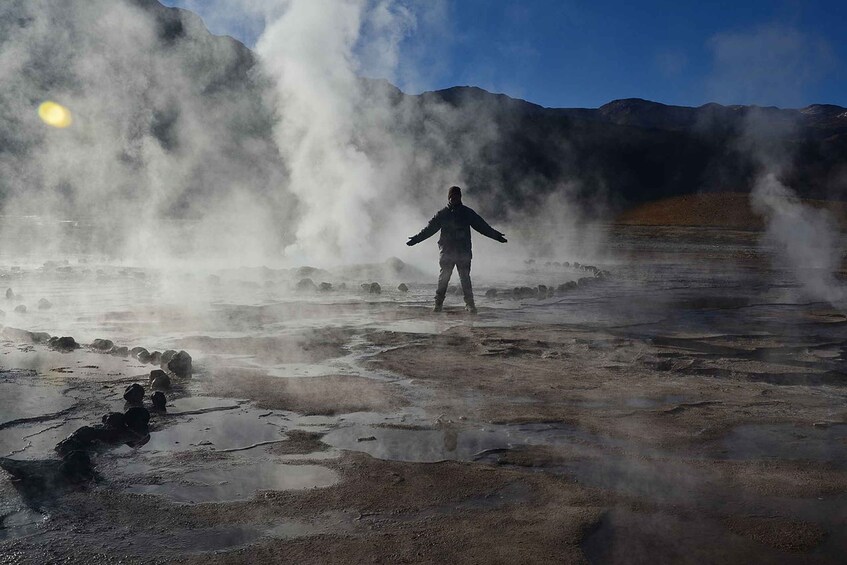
x=432, y=445
x=788, y=442
x=240, y=482
x=198, y=404
x=36, y=440
x=20, y=401
x=238, y=428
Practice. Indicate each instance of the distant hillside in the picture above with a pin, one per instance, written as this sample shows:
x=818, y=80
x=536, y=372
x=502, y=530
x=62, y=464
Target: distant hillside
x=178, y=117
x=721, y=210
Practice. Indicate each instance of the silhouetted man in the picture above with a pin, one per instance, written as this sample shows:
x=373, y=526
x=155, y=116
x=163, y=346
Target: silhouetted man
x=455, y=222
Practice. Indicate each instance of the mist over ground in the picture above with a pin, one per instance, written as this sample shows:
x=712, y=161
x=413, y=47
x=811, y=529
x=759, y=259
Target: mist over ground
x=184, y=144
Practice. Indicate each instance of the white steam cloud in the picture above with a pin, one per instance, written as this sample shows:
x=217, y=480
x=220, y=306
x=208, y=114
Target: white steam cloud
x=779, y=64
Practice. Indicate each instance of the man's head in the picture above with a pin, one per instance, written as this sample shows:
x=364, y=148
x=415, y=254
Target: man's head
x=454, y=196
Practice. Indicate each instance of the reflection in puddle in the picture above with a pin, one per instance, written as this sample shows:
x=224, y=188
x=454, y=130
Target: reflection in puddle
x=416, y=445
x=785, y=441
x=19, y=401
x=239, y=482
x=229, y=429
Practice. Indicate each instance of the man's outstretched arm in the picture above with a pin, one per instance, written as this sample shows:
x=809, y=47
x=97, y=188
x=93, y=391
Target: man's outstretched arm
x=431, y=228
x=482, y=227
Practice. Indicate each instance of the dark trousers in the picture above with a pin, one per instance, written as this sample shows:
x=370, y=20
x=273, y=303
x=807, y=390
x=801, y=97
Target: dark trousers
x=463, y=265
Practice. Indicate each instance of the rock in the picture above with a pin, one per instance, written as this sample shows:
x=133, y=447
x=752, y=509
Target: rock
x=342, y=286
x=135, y=350
x=325, y=286
x=491, y=293
x=159, y=400
x=167, y=356
x=77, y=465
x=137, y=419
x=155, y=358
x=114, y=420
x=566, y=264
x=134, y=393
x=120, y=351
x=102, y=345
x=160, y=380
x=44, y=304
x=585, y=282
x=9, y=294
x=565, y=287
x=375, y=288
x=40, y=337
x=82, y=439
x=143, y=356
x=366, y=287
x=65, y=343
x=180, y=365
x=576, y=265
x=305, y=285
x=602, y=275
x=452, y=289
x=403, y=288
x=20, y=309
x=542, y=291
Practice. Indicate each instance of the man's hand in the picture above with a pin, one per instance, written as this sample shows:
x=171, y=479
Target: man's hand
x=502, y=238
x=411, y=241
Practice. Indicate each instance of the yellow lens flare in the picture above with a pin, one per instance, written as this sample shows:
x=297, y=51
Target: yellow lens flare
x=54, y=114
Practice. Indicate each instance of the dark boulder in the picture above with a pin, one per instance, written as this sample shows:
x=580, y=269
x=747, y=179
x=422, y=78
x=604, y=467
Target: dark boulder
x=585, y=282
x=114, y=420
x=159, y=380
x=159, y=400
x=44, y=304
x=491, y=293
x=135, y=351
x=452, y=289
x=180, y=365
x=9, y=294
x=167, y=356
x=143, y=356
x=137, y=419
x=566, y=287
x=20, y=309
x=85, y=437
x=403, y=287
x=102, y=345
x=325, y=287
x=40, y=337
x=134, y=394
x=305, y=285
x=155, y=358
x=375, y=288
x=65, y=343
x=119, y=351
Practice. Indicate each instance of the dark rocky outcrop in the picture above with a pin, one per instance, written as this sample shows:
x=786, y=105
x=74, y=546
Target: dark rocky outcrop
x=102, y=345
x=402, y=287
x=159, y=400
x=304, y=285
x=65, y=343
x=180, y=364
x=134, y=394
x=137, y=419
x=159, y=380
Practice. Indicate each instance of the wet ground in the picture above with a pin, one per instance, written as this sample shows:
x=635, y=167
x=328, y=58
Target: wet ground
x=689, y=407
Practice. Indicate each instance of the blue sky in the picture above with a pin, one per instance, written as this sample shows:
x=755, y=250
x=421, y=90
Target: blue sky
x=568, y=53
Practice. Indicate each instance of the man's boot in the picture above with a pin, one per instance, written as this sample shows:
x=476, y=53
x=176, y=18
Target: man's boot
x=470, y=307
x=438, y=305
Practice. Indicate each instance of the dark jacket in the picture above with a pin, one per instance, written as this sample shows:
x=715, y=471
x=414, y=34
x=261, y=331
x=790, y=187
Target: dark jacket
x=455, y=224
